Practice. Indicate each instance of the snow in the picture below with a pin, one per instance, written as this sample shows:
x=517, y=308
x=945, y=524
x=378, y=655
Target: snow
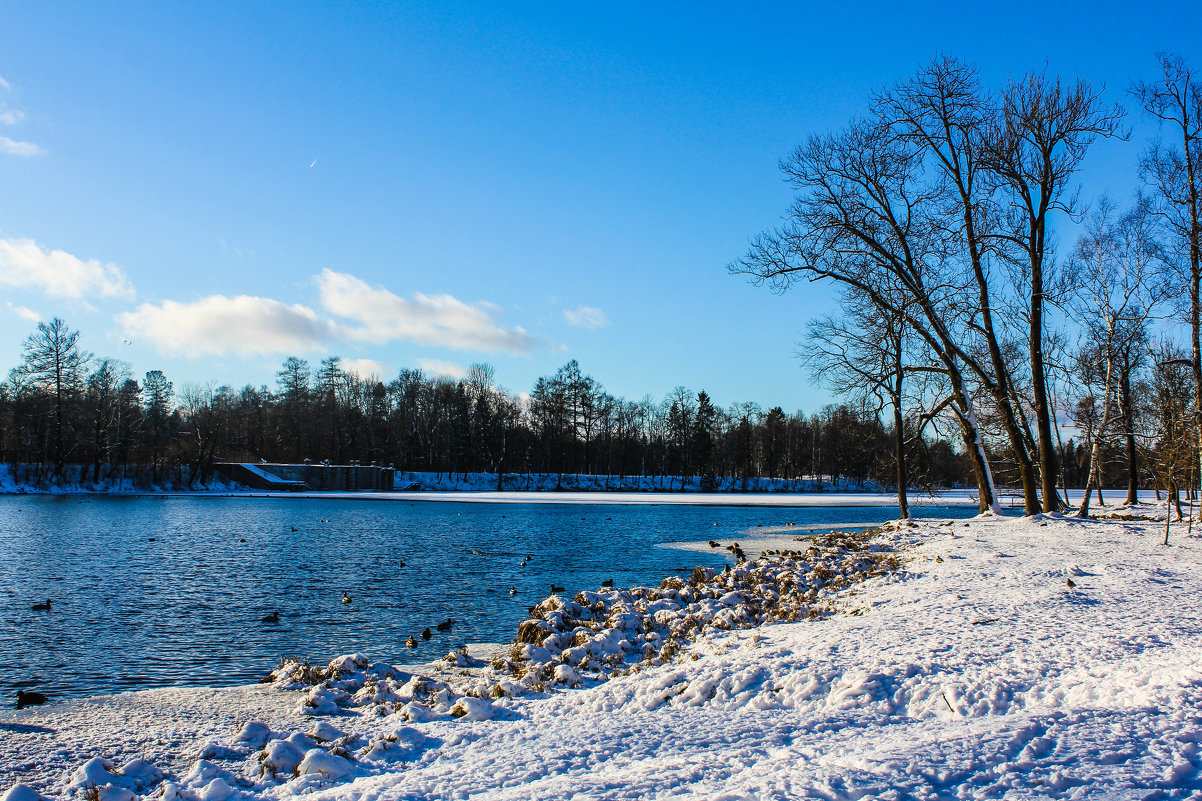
x=935, y=660
x=77, y=481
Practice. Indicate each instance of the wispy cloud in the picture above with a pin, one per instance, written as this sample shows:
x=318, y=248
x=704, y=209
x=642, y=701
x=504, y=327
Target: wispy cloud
x=14, y=116
x=14, y=148
x=215, y=325
x=24, y=312
x=380, y=316
x=439, y=367
x=26, y=264
x=586, y=317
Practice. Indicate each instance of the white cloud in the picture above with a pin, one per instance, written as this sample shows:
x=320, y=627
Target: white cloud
x=14, y=148
x=441, y=320
x=438, y=367
x=26, y=264
x=586, y=317
x=366, y=368
x=14, y=116
x=218, y=324
x=25, y=313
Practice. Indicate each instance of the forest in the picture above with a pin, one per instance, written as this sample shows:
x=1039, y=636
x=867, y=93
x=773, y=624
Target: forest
x=67, y=415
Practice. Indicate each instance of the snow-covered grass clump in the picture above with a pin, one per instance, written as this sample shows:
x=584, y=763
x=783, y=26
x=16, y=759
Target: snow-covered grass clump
x=611, y=632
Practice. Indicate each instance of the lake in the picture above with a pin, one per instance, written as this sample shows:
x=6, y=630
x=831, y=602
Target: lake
x=152, y=591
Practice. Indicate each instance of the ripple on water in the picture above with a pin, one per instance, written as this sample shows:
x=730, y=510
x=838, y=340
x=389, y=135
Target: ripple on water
x=187, y=607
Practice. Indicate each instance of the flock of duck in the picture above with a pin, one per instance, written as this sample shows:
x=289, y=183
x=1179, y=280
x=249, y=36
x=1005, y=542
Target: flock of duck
x=426, y=633
x=25, y=699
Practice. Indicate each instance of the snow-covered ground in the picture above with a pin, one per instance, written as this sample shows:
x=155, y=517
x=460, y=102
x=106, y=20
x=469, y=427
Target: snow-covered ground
x=1043, y=657
x=77, y=480
x=668, y=498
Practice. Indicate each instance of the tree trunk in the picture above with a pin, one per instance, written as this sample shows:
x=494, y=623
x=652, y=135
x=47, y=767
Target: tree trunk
x=1129, y=430
x=899, y=440
x=1043, y=419
x=1196, y=340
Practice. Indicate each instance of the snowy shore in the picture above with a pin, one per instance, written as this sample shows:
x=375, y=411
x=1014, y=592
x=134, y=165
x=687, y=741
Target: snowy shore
x=1021, y=657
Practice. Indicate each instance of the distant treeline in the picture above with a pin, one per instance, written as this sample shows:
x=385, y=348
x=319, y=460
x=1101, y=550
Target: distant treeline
x=62, y=406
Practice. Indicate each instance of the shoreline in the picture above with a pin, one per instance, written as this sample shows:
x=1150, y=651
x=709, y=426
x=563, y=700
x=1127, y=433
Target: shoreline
x=584, y=497
x=1002, y=655
x=1114, y=498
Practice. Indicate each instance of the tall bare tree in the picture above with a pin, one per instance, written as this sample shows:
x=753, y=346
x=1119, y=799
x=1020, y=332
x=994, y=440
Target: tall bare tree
x=1114, y=266
x=53, y=362
x=944, y=109
x=866, y=218
x=1172, y=167
x=1043, y=133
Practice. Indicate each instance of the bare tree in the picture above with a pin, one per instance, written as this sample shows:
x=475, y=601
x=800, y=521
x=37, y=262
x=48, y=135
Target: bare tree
x=944, y=109
x=104, y=408
x=865, y=218
x=1173, y=168
x=1043, y=134
x=864, y=352
x=1114, y=263
x=53, y=362
x=1172, y=397
x=203, y=407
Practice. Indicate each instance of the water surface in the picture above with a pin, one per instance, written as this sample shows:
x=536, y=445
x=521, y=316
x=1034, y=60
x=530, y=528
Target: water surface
x=153, y=591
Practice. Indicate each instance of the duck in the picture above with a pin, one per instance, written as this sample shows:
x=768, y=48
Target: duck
x=401, y=563
x=523, y=563
x=346, y=599
x=715, y=544
x=42, y=607
x=445, y=625
x=25, y=699
x=426, y=633
x=411, y=642
x=274, y=617
x=556, y=588
x=513, y=590
x=607, y=583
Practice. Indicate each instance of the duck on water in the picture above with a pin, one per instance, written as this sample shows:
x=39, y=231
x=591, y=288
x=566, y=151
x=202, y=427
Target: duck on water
x=25, y=699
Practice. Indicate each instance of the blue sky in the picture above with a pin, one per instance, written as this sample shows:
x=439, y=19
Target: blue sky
x=208, y=188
